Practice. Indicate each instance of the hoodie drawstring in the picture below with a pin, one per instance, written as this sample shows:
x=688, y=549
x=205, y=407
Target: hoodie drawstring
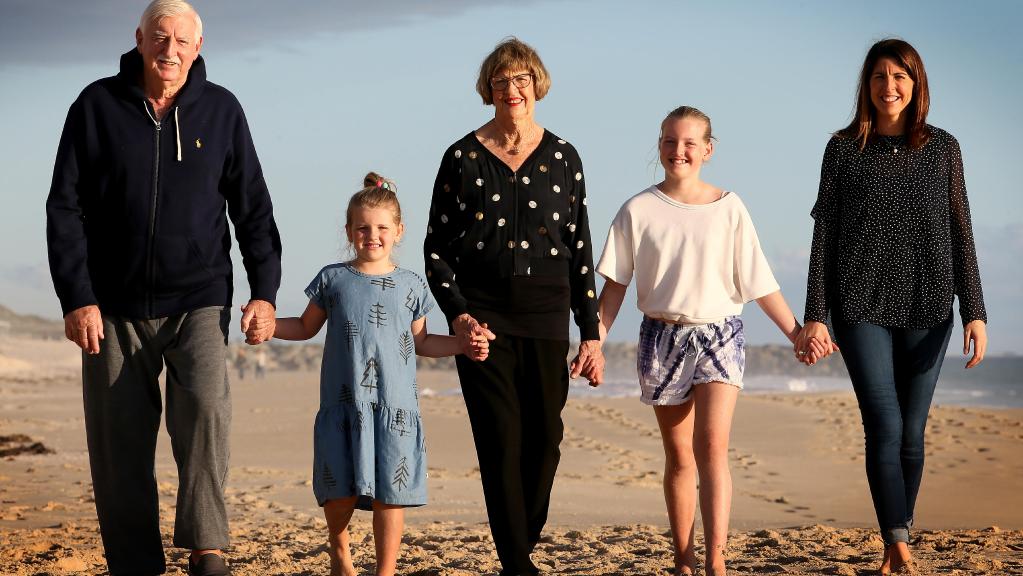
x=177, y=131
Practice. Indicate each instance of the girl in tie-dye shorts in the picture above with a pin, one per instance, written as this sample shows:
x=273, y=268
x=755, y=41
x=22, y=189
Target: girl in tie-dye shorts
x=696, y=259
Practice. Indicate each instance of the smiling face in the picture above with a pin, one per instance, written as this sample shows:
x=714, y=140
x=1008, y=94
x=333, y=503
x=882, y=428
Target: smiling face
x=513, y=102
x=168, y=46
x=684, y=147
x=891, y=89
x=373, y=233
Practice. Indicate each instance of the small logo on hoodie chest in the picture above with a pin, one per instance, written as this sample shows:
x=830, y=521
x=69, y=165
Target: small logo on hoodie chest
x=198, y=143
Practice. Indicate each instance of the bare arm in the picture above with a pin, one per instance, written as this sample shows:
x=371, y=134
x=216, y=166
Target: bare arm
x=778, y=311
x=611, y=298
x=439, y=345
x=303, y=327
x=589, y=362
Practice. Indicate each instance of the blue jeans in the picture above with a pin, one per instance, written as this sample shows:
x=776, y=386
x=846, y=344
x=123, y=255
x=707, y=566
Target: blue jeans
x=894, y=371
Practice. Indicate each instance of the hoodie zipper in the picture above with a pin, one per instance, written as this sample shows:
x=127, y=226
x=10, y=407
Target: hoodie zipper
x=151, y=239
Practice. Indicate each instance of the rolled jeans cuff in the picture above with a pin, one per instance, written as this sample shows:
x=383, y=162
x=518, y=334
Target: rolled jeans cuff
x=897, y=534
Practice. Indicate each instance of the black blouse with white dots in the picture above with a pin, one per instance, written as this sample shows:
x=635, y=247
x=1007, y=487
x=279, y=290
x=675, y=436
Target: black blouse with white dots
x=512, y=248
x=892, y=238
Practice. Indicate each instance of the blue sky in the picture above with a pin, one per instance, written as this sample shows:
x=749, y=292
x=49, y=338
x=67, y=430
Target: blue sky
x=334, y=89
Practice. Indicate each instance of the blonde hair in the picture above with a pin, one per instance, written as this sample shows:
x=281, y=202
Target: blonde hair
x=683, y=112
x=377, y=192
x=159, y=9
x=511, y=55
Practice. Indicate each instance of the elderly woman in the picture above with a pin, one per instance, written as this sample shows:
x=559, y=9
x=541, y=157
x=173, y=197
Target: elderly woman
x=892, y=246
x=508, y=252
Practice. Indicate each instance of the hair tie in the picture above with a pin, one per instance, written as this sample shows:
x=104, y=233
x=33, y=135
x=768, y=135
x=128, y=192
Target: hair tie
x=380, y=183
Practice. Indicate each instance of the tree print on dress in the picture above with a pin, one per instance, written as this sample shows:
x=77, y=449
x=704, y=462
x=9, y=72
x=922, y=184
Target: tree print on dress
x=359, y=421
x=401, y=474
x=369, y=375
x=346, y=395
x=332, y=302
x=412, y=301
x=384, y=283
x=406, y=346
x=377, y=315
x=328, y=477
x=400, y=422
x=351, y=332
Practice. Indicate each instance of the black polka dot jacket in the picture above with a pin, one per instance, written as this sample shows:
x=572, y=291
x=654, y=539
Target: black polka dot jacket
x=513, y=248
x=892, y=239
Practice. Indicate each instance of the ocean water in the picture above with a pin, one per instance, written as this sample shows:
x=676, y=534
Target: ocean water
x=951, y=391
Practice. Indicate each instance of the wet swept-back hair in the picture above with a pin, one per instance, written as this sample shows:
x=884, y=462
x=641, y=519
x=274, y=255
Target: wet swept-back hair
x=683, y=112
x=377, y=192
x=863, y=126
x=512, y=55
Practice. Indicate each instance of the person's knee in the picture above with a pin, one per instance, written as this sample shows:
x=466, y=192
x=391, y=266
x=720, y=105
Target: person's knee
x=679, y=460
x=711, y=451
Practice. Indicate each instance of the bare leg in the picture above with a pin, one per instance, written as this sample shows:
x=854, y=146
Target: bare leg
x=388, y=522
x=338, y=514
x=676, y=424
x=715, y=405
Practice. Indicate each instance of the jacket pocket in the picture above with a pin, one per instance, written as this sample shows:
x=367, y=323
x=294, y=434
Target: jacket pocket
x=180, y=264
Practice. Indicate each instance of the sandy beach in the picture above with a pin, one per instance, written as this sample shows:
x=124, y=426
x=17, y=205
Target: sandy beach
x=801, y=504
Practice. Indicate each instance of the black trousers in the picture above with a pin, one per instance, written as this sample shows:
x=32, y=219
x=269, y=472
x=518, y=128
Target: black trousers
x=514, y=399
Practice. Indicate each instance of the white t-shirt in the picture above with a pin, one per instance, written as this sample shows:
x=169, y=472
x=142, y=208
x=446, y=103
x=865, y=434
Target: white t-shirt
x=694, y=263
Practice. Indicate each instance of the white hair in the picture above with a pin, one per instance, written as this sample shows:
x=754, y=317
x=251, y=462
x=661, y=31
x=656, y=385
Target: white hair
x=159, y=9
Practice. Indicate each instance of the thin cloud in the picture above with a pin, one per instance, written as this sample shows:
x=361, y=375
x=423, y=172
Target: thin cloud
x=52, y=32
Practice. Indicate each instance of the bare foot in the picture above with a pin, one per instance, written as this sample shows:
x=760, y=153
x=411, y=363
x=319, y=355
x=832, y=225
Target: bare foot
x=897, y=559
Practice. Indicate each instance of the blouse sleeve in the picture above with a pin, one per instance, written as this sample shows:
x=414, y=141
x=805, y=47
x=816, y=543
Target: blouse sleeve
x=316, y=290
x=617, y=262
x=424, y=301
x=442, y=233
x=824, y=248
x=964, y=255
x=581, y=275
x=753, y=276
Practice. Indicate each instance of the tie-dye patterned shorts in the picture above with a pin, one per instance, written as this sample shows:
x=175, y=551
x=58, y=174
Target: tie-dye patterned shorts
x=673, y=358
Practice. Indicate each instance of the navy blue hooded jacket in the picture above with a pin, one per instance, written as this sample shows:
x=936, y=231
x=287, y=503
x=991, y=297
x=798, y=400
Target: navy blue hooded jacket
x=136, y=218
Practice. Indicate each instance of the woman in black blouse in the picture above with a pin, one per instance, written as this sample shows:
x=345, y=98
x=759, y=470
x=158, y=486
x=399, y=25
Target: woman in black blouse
x=508, y=252
x=892, y=245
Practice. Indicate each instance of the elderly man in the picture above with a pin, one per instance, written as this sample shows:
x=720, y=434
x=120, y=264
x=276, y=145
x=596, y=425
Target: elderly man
x=150, y=163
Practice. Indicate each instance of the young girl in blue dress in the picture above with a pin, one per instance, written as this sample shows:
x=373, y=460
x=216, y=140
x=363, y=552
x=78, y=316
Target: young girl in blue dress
x=369, y=450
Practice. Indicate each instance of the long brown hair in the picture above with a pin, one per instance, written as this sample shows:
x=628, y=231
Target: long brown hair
x=862, y=127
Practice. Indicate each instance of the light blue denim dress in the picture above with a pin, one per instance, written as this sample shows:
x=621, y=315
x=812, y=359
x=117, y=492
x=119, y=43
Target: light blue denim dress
x=368, y=437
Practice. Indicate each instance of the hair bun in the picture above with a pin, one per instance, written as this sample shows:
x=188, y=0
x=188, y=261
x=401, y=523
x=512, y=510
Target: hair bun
x=374, y=180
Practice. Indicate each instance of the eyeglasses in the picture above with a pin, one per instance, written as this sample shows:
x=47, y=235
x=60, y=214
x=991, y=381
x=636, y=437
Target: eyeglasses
x=520, y=81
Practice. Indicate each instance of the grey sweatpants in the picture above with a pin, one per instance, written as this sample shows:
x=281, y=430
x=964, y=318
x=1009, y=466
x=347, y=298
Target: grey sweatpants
x=122, y=418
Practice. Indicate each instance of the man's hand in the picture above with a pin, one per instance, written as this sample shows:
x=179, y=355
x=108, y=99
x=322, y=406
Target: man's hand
x=84, y=327
x=258, y=321
x=589, y=362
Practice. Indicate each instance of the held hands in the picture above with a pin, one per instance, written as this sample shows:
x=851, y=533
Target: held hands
x=258, y=321
x=813, y=343
x=473, y=338
x=589, y=362
x=84, y=327
x=975, y=332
